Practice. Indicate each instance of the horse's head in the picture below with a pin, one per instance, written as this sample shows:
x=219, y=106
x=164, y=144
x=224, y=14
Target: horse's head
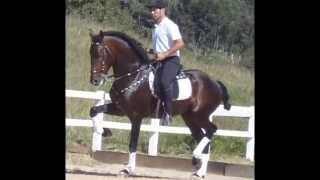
x=117, y=50
x=101, y=59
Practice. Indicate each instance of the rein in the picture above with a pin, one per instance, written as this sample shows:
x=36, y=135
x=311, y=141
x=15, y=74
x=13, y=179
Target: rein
x=106, y=77
x=133, y=84
x=125, y=75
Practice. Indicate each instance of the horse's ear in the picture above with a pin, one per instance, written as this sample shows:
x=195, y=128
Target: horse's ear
x=101, y=33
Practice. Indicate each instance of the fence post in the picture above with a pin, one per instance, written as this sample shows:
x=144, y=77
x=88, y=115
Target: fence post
x=153, y=140
x=250, y=143
x=97, y=125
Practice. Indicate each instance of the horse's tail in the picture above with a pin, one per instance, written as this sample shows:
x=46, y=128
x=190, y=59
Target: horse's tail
x=225, y=96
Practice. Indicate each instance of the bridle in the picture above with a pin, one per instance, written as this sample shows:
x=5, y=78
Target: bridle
x=107, y=52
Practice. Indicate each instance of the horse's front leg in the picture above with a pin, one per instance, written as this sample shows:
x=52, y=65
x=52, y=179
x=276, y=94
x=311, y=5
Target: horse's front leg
x=134, y=136
x=110, y=108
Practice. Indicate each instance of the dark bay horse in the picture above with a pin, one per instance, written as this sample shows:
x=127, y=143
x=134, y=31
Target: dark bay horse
x=131, y=96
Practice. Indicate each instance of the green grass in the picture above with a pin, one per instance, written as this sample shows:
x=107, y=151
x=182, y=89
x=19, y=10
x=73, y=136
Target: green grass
x=238, y=80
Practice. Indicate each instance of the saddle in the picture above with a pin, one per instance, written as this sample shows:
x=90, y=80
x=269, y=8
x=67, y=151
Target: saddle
x=180, y=87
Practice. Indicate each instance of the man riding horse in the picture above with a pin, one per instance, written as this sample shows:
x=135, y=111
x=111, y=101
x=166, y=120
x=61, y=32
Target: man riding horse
x=166, y=42
x=131, y=93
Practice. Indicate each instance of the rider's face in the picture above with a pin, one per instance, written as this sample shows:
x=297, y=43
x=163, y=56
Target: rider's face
x=157, y=14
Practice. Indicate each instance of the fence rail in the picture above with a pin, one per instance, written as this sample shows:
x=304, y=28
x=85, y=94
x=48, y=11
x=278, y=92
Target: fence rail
x=98, y=123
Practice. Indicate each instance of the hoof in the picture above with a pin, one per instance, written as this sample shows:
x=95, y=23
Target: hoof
x=124, y=173
x=106, y=132
x=196, y=177
x=93, y=112
x=196, y=163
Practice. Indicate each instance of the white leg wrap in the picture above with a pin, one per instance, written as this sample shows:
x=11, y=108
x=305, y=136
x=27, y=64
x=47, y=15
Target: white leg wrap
x=97, y=124
x=97, y=132
x=203, y=169
x=202, y=144
x=132, y=162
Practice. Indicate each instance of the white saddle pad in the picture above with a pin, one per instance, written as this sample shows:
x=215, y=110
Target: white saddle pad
x=184, y=86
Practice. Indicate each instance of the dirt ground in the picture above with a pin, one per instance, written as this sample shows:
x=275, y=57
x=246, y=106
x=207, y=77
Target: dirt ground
x=82, y=167
x=96, y=177
x=141, y=173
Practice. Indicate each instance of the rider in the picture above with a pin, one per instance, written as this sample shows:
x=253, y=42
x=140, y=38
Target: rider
x=166, y=42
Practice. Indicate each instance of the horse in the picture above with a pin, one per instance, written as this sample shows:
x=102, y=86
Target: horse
x=131, y=96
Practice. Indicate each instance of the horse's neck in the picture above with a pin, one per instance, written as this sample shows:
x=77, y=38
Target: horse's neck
x=126, y=61
x=123, y=66
x=126, y=71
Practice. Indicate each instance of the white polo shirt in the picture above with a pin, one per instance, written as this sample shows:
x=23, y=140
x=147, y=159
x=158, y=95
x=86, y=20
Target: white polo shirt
x=164, y=34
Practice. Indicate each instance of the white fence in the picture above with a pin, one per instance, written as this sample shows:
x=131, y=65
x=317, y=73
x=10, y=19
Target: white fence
x=98, y=123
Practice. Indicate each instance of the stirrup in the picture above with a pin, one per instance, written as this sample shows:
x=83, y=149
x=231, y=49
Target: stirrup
x=166, y=119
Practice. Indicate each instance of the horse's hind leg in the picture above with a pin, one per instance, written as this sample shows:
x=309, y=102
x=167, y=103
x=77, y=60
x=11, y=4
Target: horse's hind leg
x=204, y=156
x=202, y=131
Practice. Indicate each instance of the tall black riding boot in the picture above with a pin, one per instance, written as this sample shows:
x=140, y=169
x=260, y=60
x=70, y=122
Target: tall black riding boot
x=167, y=116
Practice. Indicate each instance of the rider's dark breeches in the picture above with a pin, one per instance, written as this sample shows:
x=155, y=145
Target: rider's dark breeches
x=168, y=71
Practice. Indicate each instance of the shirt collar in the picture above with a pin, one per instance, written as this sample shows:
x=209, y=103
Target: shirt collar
x=162, y=22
